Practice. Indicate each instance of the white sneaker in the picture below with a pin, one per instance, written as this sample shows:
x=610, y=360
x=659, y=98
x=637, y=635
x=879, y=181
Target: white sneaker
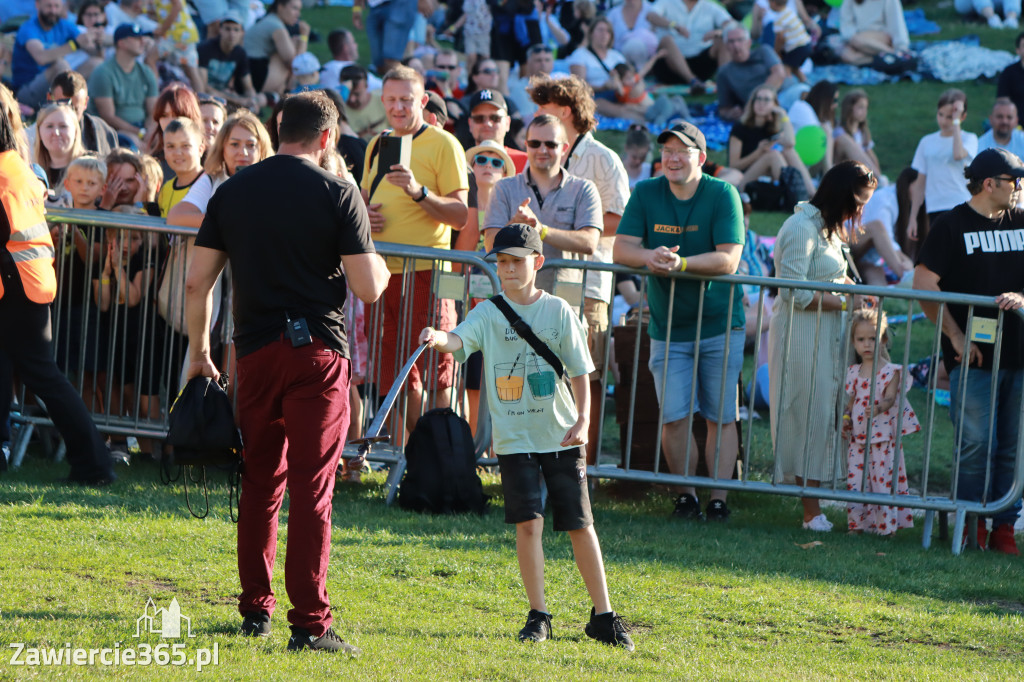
x=1011, y=22
x=819, y=523
x=995, y=22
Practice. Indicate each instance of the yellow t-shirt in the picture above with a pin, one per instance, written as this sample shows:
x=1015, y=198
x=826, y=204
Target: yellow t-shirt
x=439, y=163
x=171, y=194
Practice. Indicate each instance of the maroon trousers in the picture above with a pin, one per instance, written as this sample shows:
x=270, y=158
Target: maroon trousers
x=293, y=410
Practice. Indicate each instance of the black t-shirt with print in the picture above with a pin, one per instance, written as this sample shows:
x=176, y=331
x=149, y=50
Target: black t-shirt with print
x=223, y=71
x=974, y=255
x=284, y=224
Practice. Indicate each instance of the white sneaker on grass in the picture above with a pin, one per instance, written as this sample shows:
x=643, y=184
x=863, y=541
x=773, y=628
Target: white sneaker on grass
x=995, y=22
x=1011, y=23
x=819, y=523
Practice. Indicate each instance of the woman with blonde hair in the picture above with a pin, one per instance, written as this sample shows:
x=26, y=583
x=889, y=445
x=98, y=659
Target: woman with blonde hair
x=58, y=142
x=10, y=109
x=241, y=142
x=762, y=141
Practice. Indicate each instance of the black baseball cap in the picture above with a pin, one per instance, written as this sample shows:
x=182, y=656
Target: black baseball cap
x=517, y=239
x=487, y=97
x=688, y=134
x=992, y=162
x=437, y=106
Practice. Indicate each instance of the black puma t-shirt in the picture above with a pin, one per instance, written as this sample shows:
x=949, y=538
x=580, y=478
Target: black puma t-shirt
x=974, y=255
x=284, y=224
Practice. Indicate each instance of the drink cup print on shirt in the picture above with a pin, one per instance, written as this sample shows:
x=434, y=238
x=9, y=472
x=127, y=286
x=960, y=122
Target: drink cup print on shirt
x=541, y=378
x=508, y=379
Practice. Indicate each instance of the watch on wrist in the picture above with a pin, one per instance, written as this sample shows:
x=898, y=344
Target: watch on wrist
x=422, y=196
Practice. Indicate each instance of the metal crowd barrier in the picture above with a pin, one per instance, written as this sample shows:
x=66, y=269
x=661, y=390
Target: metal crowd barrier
x=931, y=490
x=110, y=356
x=102, y=339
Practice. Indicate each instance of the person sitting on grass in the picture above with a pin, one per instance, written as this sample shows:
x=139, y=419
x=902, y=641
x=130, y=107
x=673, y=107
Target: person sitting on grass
x=538, y=428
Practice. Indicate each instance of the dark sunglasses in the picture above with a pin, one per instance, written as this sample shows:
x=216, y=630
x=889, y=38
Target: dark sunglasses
x=446, y=67
x=1015, y=181
x=489, y=72
x=100, y=25
x=535, y=144
x=538, y=48
x=482, y=160
x=484, y=118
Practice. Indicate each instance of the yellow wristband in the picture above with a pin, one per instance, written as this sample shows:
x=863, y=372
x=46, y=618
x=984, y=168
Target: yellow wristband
x=357, y=9
x=682, y=264
x=105, y=280
x=303, y=39
x=73, y=44
x=847, y=417
x=843, y=306
x=672, y=24
x=543, y=232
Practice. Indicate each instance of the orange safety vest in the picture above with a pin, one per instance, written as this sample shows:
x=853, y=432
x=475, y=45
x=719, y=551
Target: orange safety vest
x=30, y=245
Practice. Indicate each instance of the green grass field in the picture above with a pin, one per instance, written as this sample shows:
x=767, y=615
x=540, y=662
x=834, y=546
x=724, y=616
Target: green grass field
x=439, y=598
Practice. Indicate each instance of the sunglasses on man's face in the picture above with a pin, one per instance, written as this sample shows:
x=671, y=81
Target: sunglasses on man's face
x=489, y=72
x=535, y=144
x=446, y=67
x=484, y=118
x=482, y=160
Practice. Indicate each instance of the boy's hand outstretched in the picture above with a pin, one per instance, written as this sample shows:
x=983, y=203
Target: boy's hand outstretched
x=577, y=435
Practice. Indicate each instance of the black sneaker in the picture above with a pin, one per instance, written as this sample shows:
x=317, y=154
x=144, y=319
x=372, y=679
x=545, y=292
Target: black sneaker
x=718, y=511
x=537, y=628
x=256, y=624
x=687, y=507
x=329, y=642
x=609, y=629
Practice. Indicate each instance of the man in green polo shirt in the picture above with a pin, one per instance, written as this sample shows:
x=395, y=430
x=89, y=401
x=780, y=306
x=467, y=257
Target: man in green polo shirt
x=688, y=221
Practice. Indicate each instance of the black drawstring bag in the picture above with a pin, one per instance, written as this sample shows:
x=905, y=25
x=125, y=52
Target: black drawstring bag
x=202, y=433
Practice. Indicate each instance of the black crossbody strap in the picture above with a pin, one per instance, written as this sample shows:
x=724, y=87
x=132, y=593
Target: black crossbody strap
x=526, y=334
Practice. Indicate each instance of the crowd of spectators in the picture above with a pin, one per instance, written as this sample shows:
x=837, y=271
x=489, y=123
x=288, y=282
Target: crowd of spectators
x=144, y=106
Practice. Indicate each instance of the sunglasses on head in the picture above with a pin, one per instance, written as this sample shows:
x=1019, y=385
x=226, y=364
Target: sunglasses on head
x=534, y=144
x=538, y=48
x=212, y=99
x=482, y=160
x=489, y=72
x=484, y=118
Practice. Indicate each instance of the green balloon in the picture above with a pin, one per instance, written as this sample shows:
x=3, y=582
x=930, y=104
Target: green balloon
x=810, y=144
x=834, y=3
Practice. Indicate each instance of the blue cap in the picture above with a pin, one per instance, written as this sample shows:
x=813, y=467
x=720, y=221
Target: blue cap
x=130, y=31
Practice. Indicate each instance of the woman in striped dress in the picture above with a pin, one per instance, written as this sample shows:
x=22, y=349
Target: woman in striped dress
x=807, y=361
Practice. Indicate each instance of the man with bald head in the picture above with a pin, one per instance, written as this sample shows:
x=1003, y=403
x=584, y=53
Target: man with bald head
x=1004, y=132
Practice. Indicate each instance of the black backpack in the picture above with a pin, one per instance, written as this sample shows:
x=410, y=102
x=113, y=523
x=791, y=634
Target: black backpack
x=440, y=475
x=202, y=433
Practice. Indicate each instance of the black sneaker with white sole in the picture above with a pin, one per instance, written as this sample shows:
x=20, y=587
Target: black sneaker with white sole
x=329, y=642
x=255, y=624
x=687, y=507
x=609, y=629
x=537, y=628
x=717, y=511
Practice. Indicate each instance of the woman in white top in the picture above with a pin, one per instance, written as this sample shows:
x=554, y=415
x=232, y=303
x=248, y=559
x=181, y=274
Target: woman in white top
x=940, y=160
x=594, y=60
x=818, y=108
x=853, y=136
x=869, y=28
x=633, y=35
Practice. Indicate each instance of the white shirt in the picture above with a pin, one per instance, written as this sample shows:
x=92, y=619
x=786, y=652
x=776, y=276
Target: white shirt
x=596, y=74
x=884, y=208
x=117, y=16
x=594, y=161
x=945, y=186
x=801, y=115
x=702, y=18
x=1016, y=145
x=621, y=30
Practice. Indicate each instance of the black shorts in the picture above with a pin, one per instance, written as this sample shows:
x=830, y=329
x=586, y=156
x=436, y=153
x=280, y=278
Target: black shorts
x=565, y=474
x=703, y=66
x=795, y=58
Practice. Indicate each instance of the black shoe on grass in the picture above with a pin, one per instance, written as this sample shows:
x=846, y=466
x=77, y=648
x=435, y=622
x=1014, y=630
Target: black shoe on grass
x=687, y=507
x=329, y=642
x=537, y=628
x=256, y=624
x=609, y=629
x=718, y=511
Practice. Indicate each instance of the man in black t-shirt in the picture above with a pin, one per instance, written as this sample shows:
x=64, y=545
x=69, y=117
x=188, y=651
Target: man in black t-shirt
x=224, y=65
x=978, y=248
x=287, y=227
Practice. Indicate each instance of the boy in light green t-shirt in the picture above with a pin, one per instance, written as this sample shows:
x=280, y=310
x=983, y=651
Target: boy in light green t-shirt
x=538, y=428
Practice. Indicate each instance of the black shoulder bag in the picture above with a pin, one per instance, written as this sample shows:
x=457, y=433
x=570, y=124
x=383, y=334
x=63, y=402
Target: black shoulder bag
x=526, y=334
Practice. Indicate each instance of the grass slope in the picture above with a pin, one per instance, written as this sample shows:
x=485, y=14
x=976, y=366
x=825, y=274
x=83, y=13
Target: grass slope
x=440, y=598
